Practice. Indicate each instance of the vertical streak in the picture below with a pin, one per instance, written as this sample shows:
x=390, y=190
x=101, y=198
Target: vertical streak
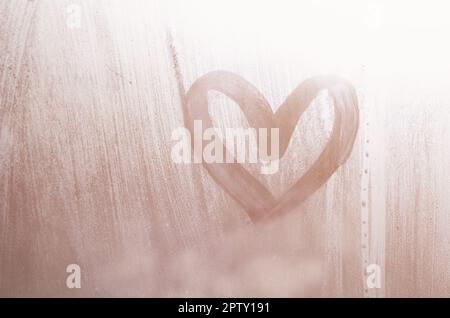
x=176, y=68
x=196, y=177
x=373, y=206
x=376, y=148
x=365, y=186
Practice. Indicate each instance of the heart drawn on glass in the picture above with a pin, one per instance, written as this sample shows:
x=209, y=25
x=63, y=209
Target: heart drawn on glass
x=252, y=195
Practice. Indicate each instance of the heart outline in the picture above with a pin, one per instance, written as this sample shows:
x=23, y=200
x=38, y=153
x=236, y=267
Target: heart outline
x=254, y=197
